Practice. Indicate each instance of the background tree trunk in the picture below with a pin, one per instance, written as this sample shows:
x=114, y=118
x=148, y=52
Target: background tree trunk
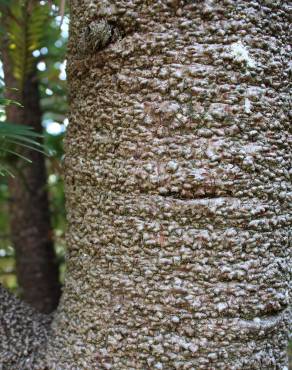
x=177, y=182
x=31, y=233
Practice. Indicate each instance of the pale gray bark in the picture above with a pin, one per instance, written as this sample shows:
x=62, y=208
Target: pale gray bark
x=23, y=334
x=178, y=188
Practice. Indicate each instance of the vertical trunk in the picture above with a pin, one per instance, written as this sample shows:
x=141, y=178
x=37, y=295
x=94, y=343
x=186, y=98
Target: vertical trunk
x=178, y=189
x=36, y=265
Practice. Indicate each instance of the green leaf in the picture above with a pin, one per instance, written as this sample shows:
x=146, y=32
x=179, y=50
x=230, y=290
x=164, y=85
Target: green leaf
x=26, y=31
x=11, y=136
x=6, y=102
x=7, y=128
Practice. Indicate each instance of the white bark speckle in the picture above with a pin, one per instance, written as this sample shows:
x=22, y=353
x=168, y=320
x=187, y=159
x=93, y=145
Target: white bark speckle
x=241, y=54
x=247, y=105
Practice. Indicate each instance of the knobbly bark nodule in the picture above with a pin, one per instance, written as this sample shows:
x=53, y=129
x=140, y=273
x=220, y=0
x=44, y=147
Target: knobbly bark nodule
x=177, y=183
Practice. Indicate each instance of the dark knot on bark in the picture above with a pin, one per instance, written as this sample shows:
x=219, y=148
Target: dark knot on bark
x=98, y=35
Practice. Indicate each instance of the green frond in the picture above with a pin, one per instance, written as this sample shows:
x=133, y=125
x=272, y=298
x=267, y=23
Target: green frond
x=14, y=136
x=8, y=129
x=26, y=30
x=7, y=102
x=20, y=134
x=5, y=169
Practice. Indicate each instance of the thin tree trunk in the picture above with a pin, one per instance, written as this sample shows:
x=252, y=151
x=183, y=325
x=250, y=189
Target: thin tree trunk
x=31, y=232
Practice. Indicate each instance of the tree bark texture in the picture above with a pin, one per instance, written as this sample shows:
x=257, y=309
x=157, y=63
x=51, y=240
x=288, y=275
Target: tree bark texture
x=31, y=232
x=23, y=334
x=178, y=188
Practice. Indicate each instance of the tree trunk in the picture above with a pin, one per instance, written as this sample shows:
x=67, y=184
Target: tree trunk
x=177, y=183
x=31, y=233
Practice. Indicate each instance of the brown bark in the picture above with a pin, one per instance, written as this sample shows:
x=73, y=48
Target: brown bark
x=177, y=184
x=178, y=188
x=23, y=334
x=31, y=232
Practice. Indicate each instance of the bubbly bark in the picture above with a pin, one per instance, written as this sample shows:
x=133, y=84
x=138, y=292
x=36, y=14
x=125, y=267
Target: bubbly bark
x=23, y=334
x=178, y=187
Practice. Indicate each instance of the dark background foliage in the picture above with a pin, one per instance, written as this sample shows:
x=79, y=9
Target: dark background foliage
x=48, y=53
